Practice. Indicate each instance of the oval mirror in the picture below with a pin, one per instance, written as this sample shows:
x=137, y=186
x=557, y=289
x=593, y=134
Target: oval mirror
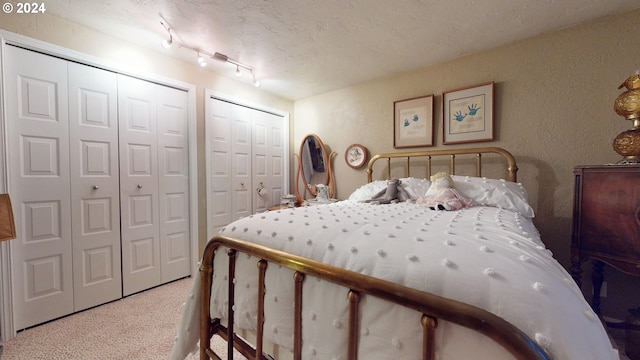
x=314, y=166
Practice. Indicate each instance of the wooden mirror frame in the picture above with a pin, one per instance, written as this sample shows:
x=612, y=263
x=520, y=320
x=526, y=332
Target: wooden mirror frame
x=328, y=181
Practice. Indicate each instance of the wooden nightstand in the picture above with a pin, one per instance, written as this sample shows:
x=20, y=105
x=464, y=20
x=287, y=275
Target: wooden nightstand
x=606, y=222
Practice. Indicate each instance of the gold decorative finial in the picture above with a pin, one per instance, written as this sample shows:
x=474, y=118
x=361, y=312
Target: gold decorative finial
x=627, y=104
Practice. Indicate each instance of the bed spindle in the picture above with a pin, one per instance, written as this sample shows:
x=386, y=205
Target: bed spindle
x=388, y=168
x=429, y=325
x=408, y=166
x=479, y=164
x=297, y=316
x=354, y=300
x=231, y=281
x=262, y=269
x=452, y=166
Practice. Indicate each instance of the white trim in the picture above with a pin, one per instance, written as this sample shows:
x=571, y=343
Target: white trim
x=193, y=180
x=7, y=330
x=208, y=93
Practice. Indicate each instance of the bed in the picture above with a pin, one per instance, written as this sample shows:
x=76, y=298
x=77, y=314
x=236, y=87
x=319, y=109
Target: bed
x=351, y=279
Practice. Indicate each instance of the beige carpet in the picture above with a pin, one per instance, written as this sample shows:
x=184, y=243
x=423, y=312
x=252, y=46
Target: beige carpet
x=141, y=326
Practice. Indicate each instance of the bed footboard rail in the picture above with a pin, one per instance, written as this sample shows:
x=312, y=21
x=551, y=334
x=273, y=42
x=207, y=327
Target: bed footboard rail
x=429, y=155
x=433, y=307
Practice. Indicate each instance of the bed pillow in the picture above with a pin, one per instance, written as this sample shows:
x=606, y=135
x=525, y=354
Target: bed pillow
x=492, y=192
x=415, y=187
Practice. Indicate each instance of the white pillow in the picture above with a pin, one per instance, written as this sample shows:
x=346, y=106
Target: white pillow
x=415, y=187
x=366, y=191
x=492, y=192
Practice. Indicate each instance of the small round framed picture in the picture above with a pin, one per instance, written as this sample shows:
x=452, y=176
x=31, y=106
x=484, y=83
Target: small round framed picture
x=356, y=156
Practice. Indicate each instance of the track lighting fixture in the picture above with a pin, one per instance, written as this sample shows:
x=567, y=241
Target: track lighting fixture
x=167, y=42
x=202, y=54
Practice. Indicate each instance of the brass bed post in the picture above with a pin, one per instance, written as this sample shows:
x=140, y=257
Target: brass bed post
x=297, y=316
x=479, y=164
x=369, y=174
x=206, y=271
x=429, y=167
x=352, y=347
x=262, y=269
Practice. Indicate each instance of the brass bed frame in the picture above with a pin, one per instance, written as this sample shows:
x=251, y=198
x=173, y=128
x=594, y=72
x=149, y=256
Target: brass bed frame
x=427, y=156
x=433, y=308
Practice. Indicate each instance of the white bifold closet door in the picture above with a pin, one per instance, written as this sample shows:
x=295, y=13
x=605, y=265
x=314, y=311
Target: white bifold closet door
x=245, y=152
x=154, y=184
x=67, y=254
x=98, y=175
x=95, y=210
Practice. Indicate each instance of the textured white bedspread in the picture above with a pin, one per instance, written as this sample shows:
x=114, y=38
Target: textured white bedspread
x=487, y=257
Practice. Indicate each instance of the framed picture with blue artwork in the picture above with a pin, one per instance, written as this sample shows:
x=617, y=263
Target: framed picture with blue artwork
x=467, y=114
x=413, y=122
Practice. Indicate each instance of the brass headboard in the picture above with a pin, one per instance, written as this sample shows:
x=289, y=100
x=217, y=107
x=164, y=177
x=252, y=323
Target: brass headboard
x=512, y=168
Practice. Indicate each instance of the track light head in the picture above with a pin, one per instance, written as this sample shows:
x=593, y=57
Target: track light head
x=167, y=42
x=238, y=73
x=256, y=83
x=202, y=61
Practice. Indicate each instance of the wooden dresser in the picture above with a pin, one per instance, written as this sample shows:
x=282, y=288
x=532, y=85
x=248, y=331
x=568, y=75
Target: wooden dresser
x=606, y=222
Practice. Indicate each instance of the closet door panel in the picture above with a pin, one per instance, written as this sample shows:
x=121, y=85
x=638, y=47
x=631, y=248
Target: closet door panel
x=137, y=110
x=173, y=171
x=260, y=173
x=218, y=149
x=38, y=169
x=95, y=201
x=268, y=159
x=241, y=185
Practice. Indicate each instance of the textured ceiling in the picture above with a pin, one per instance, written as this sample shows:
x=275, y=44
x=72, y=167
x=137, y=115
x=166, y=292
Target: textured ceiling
x=300, y=48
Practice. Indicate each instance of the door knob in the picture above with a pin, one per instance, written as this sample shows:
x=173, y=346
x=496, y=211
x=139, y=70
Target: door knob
x=262, y=191
x=96, y=187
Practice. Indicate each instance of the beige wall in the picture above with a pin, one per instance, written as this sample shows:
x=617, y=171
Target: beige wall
x=128, y=57
x=554, y=99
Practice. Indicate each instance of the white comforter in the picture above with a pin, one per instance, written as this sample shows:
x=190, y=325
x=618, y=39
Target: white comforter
x=485, y=256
